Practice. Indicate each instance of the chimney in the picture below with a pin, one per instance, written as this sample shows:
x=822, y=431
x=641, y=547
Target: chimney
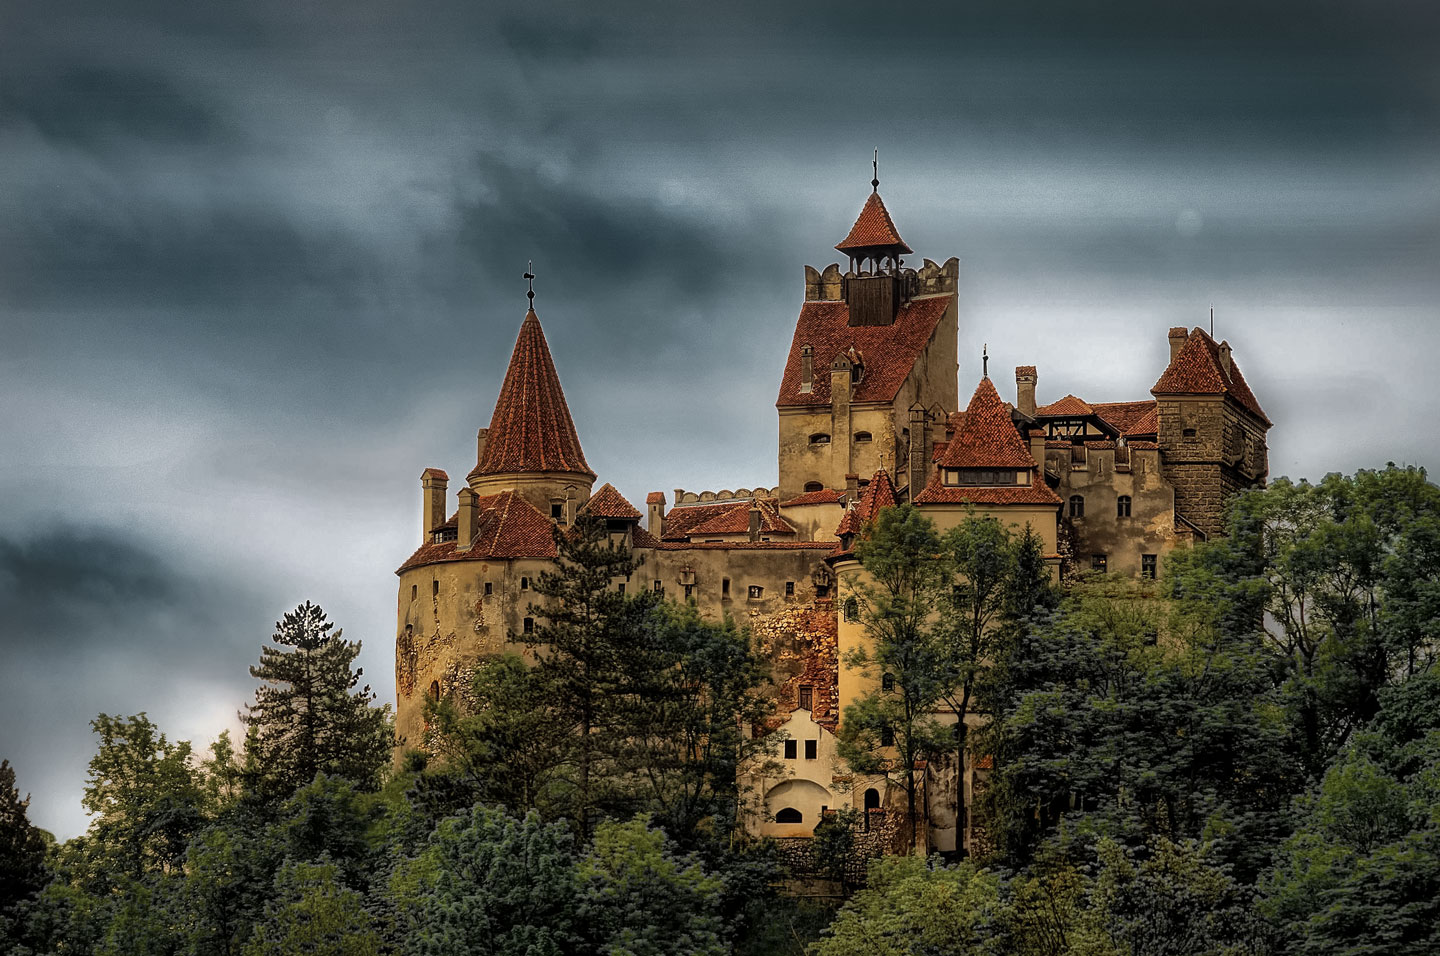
x=840, y=382
x=480, y=438
x=919, y=449
x=1025, y=389
x=852, y=487
x=1178, y=335
x=1037, y=447
x=433, y=483
x=1225, y=359
x=807, y=369
x=466, y=529
x=655, y=504
x=754, y=520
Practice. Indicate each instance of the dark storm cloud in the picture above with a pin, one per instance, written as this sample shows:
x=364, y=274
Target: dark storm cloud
x=95, y=621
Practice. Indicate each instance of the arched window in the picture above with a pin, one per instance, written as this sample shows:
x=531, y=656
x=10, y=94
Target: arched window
x=862, y=436
x=789, y=815
x=819, y=438
x=1077, y=506
x=1122, y=506
x=887, y=681
x=872, y=799
x=814, y=486
x=434, y=692
x=852, y=609
x=414, y=591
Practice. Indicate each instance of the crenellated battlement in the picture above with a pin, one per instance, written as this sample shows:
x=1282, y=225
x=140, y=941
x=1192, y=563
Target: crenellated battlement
x=683, y=497
x=930, y=279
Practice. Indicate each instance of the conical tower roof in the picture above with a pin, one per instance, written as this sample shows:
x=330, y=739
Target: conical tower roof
x=873, y=230
x=531, y=430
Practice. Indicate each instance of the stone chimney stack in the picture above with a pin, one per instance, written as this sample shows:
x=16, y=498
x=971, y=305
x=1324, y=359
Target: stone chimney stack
x=465, y=531
x=807, y=369
x=1225, y=359
x=919, y=449
x=1025, y=378
x=852, y=487
x=655, y=505
x=754, y=520
x=433, y=483
x=1178, y=335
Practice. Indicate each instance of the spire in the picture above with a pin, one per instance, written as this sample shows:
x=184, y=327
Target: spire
x=874, y=235
x=531, y=430
x=875, y=182
x=988, y=437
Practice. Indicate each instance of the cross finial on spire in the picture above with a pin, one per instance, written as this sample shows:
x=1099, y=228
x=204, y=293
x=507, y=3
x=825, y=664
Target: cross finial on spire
x=985, y=359
x=875, y=183
x=529, y=276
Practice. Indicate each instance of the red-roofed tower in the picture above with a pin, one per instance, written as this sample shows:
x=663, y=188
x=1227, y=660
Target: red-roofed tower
x=531, y=446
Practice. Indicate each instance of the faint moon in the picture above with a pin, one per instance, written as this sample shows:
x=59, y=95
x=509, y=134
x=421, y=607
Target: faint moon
x=1188, y=223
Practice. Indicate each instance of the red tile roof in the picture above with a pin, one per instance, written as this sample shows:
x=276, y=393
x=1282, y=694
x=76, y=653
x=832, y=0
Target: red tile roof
x=655, y=498
x=826, y=496
x=434, y=473
x=1196, y=370
x=531, y=429
x=506, y=526
x=747, y=545
x=609, y=503
x=890, y=350
x=1148, y=424
x=736, y=520
x=1124, y=416
x=876, y=496
x=640, y=538
x=873, y=228
x=1067, y=407
x=1037, y=493
x=988, y=437
x=680, y=519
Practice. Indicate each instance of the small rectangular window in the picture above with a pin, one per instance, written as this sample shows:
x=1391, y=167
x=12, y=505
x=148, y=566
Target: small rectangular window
x=529, y=625
x=659, y=587
x=790, y=750
x=557, y=511
x=789, y=588
x=887, y=736
x=1147, y=566
x=725, y=588
x=812, y=748
x=806, y=696
x=756, y=592
x=620, y=588
x=489, y=589
x=1098, y=562
x=689, y=591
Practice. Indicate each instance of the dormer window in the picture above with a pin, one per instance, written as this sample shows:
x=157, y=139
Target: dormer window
x=819, y=438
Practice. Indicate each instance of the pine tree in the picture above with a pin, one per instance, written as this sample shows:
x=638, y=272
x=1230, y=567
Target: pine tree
x=22, y=846
x=308, y=718
x=586, y=636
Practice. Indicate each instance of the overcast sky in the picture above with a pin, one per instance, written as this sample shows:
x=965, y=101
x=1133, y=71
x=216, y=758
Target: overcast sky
x=260, y=265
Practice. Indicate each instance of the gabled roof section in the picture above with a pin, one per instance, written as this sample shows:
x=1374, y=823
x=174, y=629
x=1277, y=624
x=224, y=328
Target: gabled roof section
x=736, y=520
x=873, y=228
x=531, y=429
x=1127, y=417
x=890, y=351
x=987, y=438
x=1067, y=407
x=1197, y=370
x=876, y=496
x=506, y=526
x=609, y=503
x=825, y=496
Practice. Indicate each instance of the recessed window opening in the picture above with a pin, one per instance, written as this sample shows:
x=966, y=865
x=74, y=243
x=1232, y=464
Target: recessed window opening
x=789, y=588
x=789, y=750
x=659, y=587
x=811, y=486
x=887, y=736
x=434, y=588
x=528, y=626
x=724, y=588
x=806, y=695
x=1147, y=566
x=524, y=583
x=620, y=587
x=812, y=748
x=689, y=591
x=1187, y=433
x=852, y=609
x=861, y=437
x=756, y=592
x=789, y=815
x=1122, y=506
x=414, y=591
x=887, y=681
x=819, y=438
x=434, y=692
x=557, y=510
x=489, y=589
x=1077, y=506
x=1098, y=562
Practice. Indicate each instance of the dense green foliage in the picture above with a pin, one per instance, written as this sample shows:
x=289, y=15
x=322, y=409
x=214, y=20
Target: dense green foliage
x=1240, y=760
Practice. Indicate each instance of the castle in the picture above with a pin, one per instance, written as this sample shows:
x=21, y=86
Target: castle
x=869, y=415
